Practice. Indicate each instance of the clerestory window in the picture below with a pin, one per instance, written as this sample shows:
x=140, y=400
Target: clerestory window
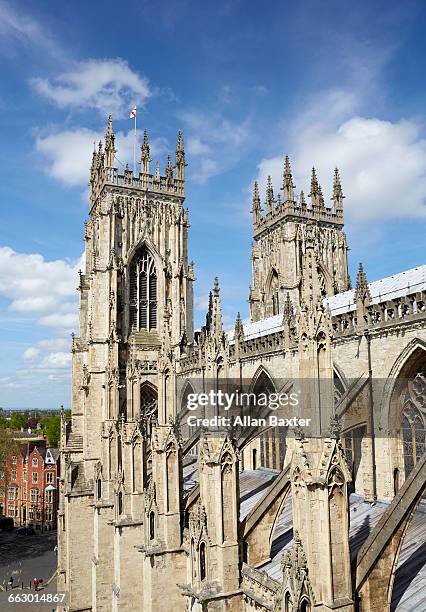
x=143, y=292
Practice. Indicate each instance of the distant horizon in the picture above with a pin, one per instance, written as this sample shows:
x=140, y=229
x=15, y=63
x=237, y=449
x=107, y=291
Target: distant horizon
x=31, y=409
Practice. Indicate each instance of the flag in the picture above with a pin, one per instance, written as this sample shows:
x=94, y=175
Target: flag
x=133, y=113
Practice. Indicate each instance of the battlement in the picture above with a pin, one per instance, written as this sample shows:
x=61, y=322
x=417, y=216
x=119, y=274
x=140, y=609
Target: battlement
x=144, y=182
x=295, y=207
x=103, y=169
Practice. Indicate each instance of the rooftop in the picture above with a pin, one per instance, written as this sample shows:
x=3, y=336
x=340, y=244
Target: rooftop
x=388, y=288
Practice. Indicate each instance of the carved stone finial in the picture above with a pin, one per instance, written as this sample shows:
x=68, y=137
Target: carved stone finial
x=317, y=199
x=239, y=328
x=335, y=427
x=337, y=191
x=256, y=209
x=288, y=186
x=270, y=200
x=362, y=290
x=145, y=151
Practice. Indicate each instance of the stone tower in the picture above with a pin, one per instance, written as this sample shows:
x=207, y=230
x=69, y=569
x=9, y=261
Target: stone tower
x=279, y=248
x=136, y=318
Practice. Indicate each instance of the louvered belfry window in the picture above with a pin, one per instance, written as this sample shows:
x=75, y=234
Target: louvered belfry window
x=143, y=292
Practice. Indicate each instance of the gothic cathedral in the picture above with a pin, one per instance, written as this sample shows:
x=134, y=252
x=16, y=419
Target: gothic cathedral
x=158, y=515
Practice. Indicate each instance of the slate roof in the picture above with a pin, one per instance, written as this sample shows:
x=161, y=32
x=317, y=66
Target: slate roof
x=398, y=285
x=409, y=593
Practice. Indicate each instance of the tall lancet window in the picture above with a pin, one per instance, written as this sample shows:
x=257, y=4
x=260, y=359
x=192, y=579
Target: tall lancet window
x=143, y=292
x=273, y=306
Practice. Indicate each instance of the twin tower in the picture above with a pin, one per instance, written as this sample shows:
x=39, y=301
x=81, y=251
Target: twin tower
x=121, y=485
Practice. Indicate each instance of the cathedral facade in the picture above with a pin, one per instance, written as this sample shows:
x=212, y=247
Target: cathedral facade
x=158, y=512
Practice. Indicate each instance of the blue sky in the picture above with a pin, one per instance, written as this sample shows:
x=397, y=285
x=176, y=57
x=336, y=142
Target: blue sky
x=330, y=83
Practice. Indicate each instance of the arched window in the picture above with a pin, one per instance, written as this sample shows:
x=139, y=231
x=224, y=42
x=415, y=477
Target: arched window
x=288, y=606
x=413, y=422
x=273, y=306
x=143, y=292
x=305, y=606
x=272, y=441
x=148, y=406
x=99, y=489
x=120, y=503
x=203, y=571
x=151, y=526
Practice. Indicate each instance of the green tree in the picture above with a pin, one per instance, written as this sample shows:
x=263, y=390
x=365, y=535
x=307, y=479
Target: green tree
x=8, y=447
x=52, y=429
x=18, y=420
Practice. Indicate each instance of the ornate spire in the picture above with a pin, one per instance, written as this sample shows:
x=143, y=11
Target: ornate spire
x=289, y=322
x=302, y=199
x=157, y=176
x=362, y=290
x=239, y=329
x=337, y=192
x=216, y=309
x=270, y=200
x=316, y=196
x=209, y=315
x=256, y=209
x=288, y=186
x=180, y=158
x=169, y=173
x=109, y=144
x=288, y=308
x=145, y=159
x=94, y=161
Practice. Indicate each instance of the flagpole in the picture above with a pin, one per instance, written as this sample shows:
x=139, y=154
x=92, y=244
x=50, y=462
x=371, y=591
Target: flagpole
x=134, y=151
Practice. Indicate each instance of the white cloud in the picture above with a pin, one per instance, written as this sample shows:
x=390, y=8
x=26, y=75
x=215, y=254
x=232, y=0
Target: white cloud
x=107, y=85
x=20, y=27
x=54, y=344
x=383, y=165
x=68, y=153
x=216, y=143
x=50, y=357
x=206, y=169
x=31, y=353
x=194, y=146
x=46, y=289
x=56, y=361
x=58, y=320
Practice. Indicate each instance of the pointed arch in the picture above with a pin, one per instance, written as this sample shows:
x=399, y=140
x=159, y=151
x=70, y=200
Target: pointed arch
x=148, y=405
x=406, y=408
x=143, y=291
x=272, y=292
x=262, y=379
x=272, y=441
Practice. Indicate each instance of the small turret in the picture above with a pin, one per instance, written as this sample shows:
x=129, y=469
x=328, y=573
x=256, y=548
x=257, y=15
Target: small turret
x=93, y=164
x=169, y=173
x=256, y=209
x=239, y=329
x=180, y=163
x=337, y=192
x=317, y=199
x=362, y=290
x=288, y=186
x=157, y=176
x=216, y=309
x=145, y=159
x=109, y=144
x=270, y=200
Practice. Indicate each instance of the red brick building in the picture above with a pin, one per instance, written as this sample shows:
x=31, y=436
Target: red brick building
x=29, y=488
